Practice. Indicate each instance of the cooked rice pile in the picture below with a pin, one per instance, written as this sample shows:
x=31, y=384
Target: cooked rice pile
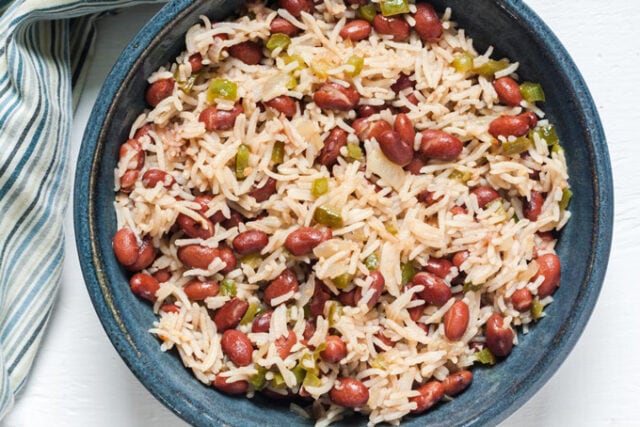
x=384, y=220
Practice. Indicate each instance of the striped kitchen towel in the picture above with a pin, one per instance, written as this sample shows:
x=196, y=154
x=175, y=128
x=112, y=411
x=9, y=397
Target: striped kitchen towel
x=44, y=46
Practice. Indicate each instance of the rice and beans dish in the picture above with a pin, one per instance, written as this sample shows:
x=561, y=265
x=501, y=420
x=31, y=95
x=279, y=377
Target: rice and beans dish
x=341, y=204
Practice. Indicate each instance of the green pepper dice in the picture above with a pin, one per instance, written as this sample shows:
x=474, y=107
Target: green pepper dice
x=517, y=146
x=354, y=151
x=277, y=154
x=278, y=40
x=242, y=161
x=329, y=216
x=394, y=7
x=228, y=288
x=222, y=88
x=532, y=92
x=367, y=12
x=320, y=186
x=463, y=62
x=489, y=68
x=357, y=62
x=372, y=262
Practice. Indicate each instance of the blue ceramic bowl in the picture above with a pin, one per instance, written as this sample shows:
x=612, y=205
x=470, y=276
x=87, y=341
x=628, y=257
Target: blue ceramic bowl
x=496, y=392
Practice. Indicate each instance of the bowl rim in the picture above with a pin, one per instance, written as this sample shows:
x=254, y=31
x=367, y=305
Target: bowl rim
x=96, y=279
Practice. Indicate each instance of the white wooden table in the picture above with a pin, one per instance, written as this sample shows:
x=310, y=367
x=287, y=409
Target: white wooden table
x=79, y=379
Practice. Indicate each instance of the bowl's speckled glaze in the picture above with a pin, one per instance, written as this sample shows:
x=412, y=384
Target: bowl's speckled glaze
x=496, y=392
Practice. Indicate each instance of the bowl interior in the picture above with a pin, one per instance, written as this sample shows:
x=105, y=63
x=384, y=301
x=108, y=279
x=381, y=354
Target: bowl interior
x=496, y=392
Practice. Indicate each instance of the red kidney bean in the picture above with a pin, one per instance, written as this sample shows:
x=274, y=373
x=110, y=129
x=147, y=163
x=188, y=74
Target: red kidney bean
x=198, y=291
x=146, y=256
x=531, y=208
x=415, y=313
x=440, y=145
x=154, y=176
x=332, y=96
x=215, y=119
x=403, y=82
x=457, y=382
x=459, y=258
x=220, y=37
x=128, y=180
x=236, y=387
x=485, y=195
x=522, y=300
x=413, y=99
x=285, y=343
x=547, y=236
x=441, y=267
x=281, y=25
x=159, y=90
x=137, y=160
x=203, y=200
x=170, y=308
x=428, y=25
x=235, y=219
x=144, y=131
x=193, y=228
x=349, y=392
x=262, y=323
x=304, y=239
x=499, y=340
x=320, y=296
x=196, y=63
x=250, y=241
x=197, y=256
x=227, y=256
x=385, y=340
x=330, y=152
x=248, y=52
x=424, y=327
x=261, y=194
x=144, y=285
x=348, y=298
x=377, y=285
x=426, y=197
x=281, y=285
x=416, y=165
x=366, y=129
x=531, y=116
x=296, y=7
x=456, y=320
x=369, y=110
x=309, y=330
x=356, y=30
x=436, y=291
x=237, y=347
x=162, y=275
x=397, y=27
x=458, y=210
x=395, y=149
x=508, y=91
x=283, y=104
x=404, y=127
x=125, y=246
x=549, y=268
x=430, y=394
x=229, y=315
x=356, y=2
x=513, y=125
x=335, y=351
